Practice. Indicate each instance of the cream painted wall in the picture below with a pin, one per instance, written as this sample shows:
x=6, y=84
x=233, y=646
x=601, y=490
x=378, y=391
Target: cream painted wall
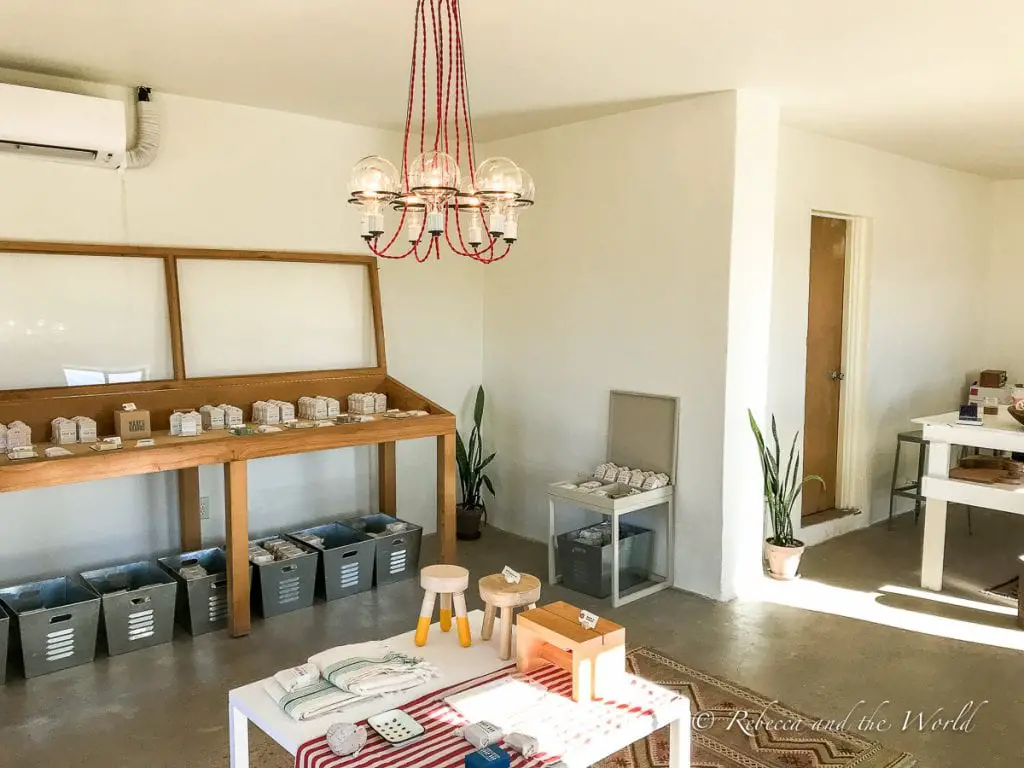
x=231, y=176
x=927, y=288
x=1005, y=310
x=621, y=280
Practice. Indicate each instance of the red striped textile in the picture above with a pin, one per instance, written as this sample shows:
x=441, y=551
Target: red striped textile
x=439, y=747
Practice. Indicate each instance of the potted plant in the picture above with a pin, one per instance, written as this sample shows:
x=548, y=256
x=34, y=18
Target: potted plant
x=471, y=513
x=781, y=490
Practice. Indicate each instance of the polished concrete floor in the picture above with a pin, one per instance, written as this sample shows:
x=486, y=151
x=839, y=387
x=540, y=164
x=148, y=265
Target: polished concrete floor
x=167, y=706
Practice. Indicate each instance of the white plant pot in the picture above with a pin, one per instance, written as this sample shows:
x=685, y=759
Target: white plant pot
x=783, y=562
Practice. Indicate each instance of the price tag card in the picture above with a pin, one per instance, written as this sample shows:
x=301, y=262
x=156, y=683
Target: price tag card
x=147, y=442
x=129, y=407
x=512, y=577
x=588, y=620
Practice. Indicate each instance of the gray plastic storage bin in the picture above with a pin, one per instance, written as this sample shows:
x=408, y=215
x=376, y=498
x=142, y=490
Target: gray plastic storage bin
x=398, y=554
x=138, y=605
x=284, y=585
x=345, y=564
x=587, y=568
x=5, y=627
x=202, y=604
x=54, y=624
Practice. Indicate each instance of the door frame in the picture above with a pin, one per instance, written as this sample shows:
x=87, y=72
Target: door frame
x=853, y=484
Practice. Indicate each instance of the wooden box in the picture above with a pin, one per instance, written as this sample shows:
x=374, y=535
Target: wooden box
x=132, y=424
x=992, y=378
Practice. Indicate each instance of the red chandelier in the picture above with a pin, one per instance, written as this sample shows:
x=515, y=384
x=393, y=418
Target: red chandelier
x=476, y=211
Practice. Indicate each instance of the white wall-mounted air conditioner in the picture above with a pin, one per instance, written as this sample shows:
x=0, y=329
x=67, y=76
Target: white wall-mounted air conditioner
x=62, y=126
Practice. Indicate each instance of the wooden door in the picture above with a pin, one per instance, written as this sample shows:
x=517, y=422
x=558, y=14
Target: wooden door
x=824, y=375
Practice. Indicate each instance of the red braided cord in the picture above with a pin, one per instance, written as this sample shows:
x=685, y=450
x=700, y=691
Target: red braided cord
x=457, y=64
x=411, y=101
x=438, y=67
x=465, y=94
x=423, y=80
x=451, y=66
x=458, y=78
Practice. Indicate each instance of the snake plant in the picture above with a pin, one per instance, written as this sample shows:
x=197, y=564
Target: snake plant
x=471, y=461
x=781, y=489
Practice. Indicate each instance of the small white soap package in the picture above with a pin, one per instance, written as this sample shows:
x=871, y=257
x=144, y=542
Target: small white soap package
x=233, y=416
x=213, y=417
x=333, y=407
x=19, y=435
x=86, y=429
x=63, y=431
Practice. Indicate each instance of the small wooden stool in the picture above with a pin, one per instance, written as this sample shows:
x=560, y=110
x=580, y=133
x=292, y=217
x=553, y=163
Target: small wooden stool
x=498, y=593
x=451, y=583
x=596, y=657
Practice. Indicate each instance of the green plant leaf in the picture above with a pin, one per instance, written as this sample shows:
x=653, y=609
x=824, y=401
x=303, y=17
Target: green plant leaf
x=490, y=486
x=474, y=438
x=478, y=408
x=485, y=462
x=462, y=459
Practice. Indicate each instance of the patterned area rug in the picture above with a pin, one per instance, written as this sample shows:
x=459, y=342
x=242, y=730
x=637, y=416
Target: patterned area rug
x=1008, y=589
x=719, y=742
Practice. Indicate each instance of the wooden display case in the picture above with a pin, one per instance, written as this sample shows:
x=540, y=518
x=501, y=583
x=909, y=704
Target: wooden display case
x=37, y=407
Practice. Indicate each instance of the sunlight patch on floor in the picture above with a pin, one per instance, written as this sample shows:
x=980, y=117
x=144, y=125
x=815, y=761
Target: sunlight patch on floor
x=865, y=606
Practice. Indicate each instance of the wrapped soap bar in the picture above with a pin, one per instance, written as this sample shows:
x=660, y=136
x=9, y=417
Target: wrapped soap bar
x=213, y=417
x=301, y=676
x=19, y=435
x=636, y=479
x=525, y=745
x=232, y=415
x=63, y=431
x=481, y=734
x=190, y=572
x=622, y=476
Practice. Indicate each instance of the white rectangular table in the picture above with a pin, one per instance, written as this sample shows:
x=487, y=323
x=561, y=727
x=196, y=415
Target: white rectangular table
x=999, y=432
x=250, y=703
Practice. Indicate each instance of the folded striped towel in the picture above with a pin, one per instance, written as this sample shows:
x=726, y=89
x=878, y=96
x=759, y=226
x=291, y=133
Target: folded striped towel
x=311, y=701
x=370, y=669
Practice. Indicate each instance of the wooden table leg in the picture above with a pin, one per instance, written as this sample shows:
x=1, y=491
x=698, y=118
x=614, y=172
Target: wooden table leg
x=236, y=512
x=446, y=496
x=386, y=486
x=188, y=509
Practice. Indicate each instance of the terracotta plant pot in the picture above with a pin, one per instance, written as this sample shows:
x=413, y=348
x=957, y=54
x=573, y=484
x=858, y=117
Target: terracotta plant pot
x=783, y=562
x=469, y=521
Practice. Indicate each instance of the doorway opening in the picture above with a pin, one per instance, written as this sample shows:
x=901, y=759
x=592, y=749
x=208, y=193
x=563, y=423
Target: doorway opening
x=836, y=330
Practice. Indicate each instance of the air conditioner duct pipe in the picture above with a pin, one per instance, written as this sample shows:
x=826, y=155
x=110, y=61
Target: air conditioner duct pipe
x=147, y=137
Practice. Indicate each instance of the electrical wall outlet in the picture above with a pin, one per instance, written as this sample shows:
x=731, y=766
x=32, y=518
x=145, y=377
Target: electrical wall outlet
x=204, y=507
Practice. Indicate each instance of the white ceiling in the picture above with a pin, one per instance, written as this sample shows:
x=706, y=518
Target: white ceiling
x=938, y=80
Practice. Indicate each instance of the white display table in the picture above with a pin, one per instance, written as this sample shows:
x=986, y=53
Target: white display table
x=999, y=432
x=456, y=664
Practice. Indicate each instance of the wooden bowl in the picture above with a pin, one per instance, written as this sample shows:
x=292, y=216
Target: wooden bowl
x=1016, y=413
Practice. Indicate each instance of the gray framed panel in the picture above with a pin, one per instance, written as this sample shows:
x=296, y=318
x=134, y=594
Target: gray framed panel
x=643, y=431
